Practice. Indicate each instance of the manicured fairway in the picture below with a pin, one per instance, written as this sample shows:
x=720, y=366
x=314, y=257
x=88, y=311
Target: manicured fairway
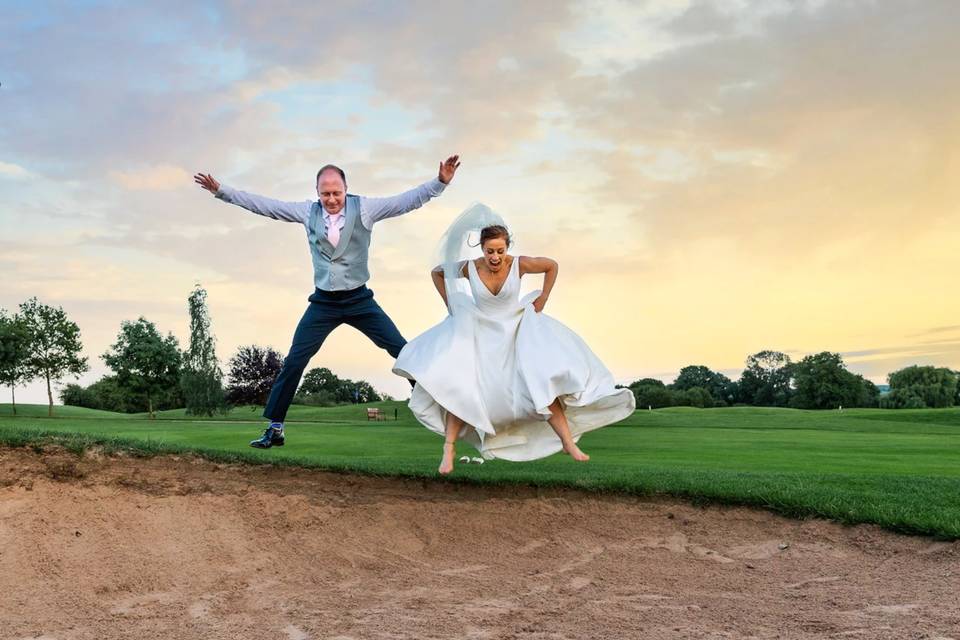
x=899, y=469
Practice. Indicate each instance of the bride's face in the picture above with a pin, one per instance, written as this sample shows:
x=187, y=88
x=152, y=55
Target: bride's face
x=494, y=252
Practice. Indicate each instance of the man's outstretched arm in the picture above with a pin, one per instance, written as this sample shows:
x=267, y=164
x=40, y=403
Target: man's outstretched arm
x=276, y=209
x=375, y=209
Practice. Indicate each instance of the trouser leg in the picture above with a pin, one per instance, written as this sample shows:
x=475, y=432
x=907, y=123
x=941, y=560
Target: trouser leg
x=318, y=321
x=371, y=320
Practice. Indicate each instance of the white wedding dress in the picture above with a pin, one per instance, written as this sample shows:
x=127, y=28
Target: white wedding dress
x=498, y=365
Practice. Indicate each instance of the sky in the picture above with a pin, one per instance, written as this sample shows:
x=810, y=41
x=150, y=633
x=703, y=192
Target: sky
x=714, y=178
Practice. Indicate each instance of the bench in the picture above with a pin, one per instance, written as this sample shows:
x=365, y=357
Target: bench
x=375, y=414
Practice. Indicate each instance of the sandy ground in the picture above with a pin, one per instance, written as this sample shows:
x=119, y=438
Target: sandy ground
x=116, y=547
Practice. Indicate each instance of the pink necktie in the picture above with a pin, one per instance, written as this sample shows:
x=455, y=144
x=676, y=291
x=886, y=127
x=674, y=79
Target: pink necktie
x=333, y=229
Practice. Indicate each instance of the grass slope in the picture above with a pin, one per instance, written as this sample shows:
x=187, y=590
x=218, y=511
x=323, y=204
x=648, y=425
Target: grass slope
x=897, y=469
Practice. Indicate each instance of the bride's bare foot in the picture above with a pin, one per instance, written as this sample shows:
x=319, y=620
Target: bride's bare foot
x=446, y=463
x=574, y=452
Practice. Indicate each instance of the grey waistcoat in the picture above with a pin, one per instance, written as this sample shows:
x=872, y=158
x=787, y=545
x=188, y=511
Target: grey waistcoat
x=344, y=266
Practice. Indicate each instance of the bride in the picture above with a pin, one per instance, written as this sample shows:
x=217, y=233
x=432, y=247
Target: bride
x=513, y=382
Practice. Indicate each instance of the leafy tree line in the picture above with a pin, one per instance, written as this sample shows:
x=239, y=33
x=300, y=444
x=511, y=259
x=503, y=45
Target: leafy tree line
x=149, y=370
x=150, y=373
x=818, y=381
x=321, y=387
x=253, y=370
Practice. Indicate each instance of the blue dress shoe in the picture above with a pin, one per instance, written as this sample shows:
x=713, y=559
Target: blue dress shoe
x=272, y=437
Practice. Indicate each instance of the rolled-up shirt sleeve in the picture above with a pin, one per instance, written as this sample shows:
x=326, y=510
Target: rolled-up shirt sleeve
x=268, y=207
x=375, y=209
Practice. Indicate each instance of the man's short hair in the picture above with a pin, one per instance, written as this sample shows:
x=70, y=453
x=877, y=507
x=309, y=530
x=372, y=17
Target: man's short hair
x=334, y=167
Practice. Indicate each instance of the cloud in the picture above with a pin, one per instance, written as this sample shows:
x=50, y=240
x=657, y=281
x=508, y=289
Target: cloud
x=936, y=330
x=821, y=124
x=446, y=59
x=10, y=170
x=156, y=178
x=906, y=351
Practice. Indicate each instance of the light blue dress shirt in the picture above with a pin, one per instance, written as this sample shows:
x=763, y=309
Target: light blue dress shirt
x=372, y=210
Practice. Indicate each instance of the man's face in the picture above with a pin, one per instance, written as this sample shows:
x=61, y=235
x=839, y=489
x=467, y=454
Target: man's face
x=332, y=191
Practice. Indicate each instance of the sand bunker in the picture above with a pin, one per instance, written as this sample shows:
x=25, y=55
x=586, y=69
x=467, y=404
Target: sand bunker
x=117, y=547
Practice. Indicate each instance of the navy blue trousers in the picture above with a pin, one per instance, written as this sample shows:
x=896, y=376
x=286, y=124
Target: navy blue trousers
x=327, y=311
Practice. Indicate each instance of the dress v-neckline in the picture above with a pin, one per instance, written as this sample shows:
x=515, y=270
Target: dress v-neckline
x=502, y=284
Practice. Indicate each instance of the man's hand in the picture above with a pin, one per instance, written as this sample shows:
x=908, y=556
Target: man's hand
x=447, y=168
x=207, y=182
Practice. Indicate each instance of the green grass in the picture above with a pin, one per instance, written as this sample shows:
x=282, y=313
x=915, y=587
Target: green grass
x=897, y=469
x=40, y=411
x=297, y=413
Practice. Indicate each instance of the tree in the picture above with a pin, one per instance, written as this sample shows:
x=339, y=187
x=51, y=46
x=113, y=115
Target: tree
x=14, y=350
x=693, y=376
x=74, y=395
x=144, y=361
x=252, y=371
x=319, y=380
x=870, y=393
x=319, y=388
x=108, y=395
x=693, y=397
x=647, y=382
x=766, y=380
x=650, y=392
x=321, y=399
x=54, y=345
x=356, y=392
x=902, y=399
x=322, y=387
x=732, y=393
x=717, y=384
x=822, y=381
x=201, y=379
x=926, y=386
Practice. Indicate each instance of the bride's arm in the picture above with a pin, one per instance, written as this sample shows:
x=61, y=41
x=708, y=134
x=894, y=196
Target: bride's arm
x=546, y=266
x=437, y=276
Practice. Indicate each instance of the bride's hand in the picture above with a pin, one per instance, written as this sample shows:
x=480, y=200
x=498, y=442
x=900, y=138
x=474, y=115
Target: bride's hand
x=539, y=303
